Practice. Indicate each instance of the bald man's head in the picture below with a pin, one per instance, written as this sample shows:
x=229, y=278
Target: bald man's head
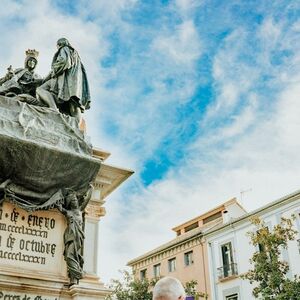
x=168, y=288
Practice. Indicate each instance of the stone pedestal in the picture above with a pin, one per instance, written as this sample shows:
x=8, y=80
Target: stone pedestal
x=32, y=265
x=47, y=166
x=19, y=288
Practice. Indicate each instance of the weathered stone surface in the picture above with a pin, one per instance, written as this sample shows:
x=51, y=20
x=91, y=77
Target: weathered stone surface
x=17, y=288
x=46, y=163
x=41, y=153
x=66, y=86
x=42, y=126
x=8, y=294
x=31, y=244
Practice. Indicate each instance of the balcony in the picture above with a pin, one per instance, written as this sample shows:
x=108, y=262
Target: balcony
x=227, y=272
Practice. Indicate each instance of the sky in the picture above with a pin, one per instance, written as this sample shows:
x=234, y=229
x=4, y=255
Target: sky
x=200, y=98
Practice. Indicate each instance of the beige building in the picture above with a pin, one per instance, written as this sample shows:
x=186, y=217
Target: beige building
x=185, y=257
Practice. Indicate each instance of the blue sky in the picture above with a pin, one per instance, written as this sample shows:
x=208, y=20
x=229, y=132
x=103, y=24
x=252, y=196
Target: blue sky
x=200, y=98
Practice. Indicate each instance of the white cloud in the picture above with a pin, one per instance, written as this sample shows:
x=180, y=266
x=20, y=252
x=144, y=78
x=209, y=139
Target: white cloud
x=269, y=33
x=183, y=46
x=106, y=10
x=233, y=78
x=239, y=122
x=9, y=8
x=266, y=161
x=257, y=149
x=167, y=69
x=187, y=7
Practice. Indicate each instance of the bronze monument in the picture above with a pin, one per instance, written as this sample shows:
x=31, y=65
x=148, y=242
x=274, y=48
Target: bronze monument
x=46, y=162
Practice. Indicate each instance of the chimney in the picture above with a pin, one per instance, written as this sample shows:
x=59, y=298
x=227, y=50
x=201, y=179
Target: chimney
x=226, y=216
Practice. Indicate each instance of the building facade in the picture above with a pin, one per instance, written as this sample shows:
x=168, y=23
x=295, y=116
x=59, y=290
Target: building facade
x=185, y=257
x=229, y=248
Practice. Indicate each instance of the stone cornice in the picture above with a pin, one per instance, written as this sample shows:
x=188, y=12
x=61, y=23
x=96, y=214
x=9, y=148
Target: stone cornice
x=95, y=211
x=167, y=250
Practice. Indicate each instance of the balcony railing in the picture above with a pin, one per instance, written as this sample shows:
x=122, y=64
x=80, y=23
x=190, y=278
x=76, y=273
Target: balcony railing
x=227, y=271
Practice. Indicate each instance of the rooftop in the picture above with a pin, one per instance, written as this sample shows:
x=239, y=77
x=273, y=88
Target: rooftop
x=206, y=217
x=175, y=242
x=268, y=207
x=192, y=232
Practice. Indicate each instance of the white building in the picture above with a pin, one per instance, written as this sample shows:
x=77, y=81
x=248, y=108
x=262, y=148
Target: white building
x=229, y=248
x=185, y=257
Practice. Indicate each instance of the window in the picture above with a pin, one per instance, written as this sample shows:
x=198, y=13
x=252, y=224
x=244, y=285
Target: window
x=232, y=297
x=212, y=217
x=143, y=274
x=172, y=264
x=261, y=247
x=188, y=258
x=227, y=255
x=191, y=227
x=156, y=270
x=228, y=268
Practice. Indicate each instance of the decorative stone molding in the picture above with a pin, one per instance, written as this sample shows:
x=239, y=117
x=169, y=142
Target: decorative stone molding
x=94, y=211
x=196, y=240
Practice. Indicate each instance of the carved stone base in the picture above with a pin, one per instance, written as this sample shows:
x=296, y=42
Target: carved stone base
x=32, y=265
x=17, y=288
x=87, y=290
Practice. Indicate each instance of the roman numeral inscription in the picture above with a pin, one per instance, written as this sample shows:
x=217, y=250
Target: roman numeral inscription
x=31, y=241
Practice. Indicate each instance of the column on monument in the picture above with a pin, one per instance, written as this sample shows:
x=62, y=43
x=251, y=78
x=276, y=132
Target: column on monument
x=94, y=211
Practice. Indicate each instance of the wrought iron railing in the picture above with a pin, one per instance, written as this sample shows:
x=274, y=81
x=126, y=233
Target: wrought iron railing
x=227, y=271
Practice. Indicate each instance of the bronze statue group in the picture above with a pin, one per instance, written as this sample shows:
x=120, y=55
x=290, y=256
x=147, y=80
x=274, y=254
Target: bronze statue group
x=65, y=88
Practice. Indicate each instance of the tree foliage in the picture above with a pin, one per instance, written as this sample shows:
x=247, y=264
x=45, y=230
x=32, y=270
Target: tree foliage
x=269, y=272
x=190, y=290
x=130, y=288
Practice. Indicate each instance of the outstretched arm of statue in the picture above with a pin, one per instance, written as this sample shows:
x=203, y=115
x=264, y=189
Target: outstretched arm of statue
x=38, y=81
x=48, y=77
x=2, y=80
x=10, y=73
x=61, y=209
x=86, y=198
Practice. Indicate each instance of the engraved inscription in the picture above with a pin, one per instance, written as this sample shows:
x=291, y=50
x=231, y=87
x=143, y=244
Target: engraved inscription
x=33, y=240
x=17, y=296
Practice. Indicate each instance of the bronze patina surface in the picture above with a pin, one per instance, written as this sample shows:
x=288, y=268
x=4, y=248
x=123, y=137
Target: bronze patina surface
x=46, y=162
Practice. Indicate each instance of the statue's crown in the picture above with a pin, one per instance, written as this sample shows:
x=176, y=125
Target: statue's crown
x=32, y=53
